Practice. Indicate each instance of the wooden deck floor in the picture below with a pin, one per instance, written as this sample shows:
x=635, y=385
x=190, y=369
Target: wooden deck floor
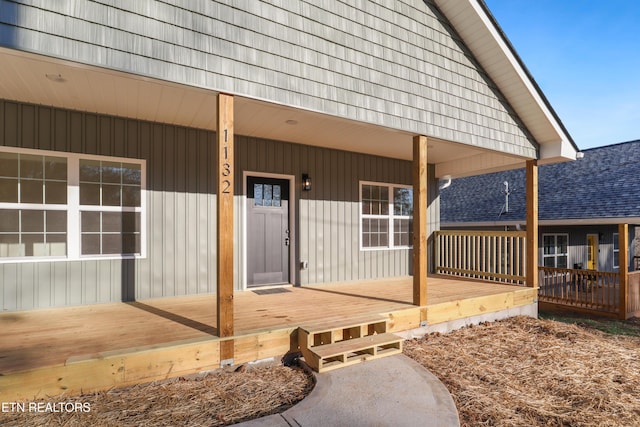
x=38, y=339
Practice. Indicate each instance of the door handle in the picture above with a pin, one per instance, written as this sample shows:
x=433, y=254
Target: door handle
x=286, y=241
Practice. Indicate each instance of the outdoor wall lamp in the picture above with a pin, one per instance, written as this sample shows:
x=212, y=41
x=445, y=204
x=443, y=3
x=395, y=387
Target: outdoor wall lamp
x=306, y=182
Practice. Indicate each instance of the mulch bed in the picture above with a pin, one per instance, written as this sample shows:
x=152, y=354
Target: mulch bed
x=528, y=372
x=220, y=398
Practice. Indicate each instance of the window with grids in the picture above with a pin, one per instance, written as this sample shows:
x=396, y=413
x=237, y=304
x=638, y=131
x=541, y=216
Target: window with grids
x=555, y=250
x=386, y=216
x=69, y=206
x=33, y=205
x=110, y=205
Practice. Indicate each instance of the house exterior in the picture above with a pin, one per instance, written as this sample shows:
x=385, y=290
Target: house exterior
x=152, y=149
x=581, y=205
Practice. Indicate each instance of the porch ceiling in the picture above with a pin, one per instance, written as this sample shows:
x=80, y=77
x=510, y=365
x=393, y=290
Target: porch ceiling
x=47, y=81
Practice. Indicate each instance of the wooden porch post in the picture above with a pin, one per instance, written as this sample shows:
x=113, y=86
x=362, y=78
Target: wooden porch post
x=224, y=224
x=623, y=267
x=420, y=221
x=532, y=223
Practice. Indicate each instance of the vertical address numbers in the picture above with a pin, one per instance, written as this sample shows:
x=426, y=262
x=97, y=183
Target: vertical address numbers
x=226, y=166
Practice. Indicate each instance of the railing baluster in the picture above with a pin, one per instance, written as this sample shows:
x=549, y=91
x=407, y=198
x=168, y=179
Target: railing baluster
x=587, y=289
x=496, y=256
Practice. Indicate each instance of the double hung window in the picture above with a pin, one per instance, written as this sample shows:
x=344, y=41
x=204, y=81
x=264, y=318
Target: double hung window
x=33, y=205
x=386, y=216
x=555, y=250
x=69, y=206
x=110, y=207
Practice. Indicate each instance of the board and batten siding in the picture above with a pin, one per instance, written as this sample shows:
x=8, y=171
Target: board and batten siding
x=328, y=216
x=181, y=207
x=180, y=210
x=577, y=251
x=393, y=63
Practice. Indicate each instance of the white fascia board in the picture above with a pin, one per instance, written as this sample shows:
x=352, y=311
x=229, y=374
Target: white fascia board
x=554, y=152
x=496, y=56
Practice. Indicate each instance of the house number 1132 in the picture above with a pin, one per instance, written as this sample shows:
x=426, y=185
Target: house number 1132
x=226, y=166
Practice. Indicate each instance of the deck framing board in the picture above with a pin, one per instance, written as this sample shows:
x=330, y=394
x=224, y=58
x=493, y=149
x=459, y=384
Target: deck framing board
x=47, y=352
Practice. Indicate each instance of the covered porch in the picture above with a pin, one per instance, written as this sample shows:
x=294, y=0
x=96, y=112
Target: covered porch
x=102, y=346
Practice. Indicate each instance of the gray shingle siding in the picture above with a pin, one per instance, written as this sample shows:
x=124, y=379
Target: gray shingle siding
x=392, y=63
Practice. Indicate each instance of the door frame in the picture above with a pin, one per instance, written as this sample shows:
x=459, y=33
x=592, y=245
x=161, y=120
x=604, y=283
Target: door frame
x=292, y=224
x=596, y=250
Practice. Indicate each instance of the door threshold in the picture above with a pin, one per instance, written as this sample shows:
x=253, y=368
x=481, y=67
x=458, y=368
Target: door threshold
x=262, y=287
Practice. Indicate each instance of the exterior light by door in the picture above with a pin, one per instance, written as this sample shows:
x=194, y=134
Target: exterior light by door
x=306, y=182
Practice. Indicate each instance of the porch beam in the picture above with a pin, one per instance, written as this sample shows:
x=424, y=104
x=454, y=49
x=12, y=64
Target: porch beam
x=420, y=220
x=532, y=224
x=224, y=224
x=623, y=268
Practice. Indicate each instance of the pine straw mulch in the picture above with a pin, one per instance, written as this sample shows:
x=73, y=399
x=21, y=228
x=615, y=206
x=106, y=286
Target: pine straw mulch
x=219, y=398
x=528, y=372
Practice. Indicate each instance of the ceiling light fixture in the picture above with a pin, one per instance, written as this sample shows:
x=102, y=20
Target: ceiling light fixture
x=55, y=78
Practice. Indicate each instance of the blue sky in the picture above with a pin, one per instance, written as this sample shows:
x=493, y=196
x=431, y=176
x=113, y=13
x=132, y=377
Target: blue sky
x=585, y=55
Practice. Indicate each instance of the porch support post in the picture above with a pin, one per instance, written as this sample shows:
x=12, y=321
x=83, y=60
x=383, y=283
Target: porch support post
x=532, y=224
x=623, y=267
x=420, y=221
x=224, y=224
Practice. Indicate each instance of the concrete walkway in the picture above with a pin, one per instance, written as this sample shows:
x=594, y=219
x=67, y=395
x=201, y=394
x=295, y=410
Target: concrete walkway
x=392, y=391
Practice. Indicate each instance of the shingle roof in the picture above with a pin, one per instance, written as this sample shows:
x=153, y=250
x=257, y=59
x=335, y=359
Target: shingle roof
x=605, y=183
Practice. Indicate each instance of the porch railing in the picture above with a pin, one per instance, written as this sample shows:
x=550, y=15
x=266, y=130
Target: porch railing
x=633, y=303
x=584, y=289
x=488, y=255
x=500, y=256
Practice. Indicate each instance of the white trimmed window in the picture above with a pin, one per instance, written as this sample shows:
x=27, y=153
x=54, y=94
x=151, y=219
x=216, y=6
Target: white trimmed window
x=555, y=250
x=70, y=206
x=616, y=250
x=386, y=216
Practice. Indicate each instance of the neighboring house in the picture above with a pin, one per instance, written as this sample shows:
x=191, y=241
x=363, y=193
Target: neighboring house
x=111, y=158
x=581, y=204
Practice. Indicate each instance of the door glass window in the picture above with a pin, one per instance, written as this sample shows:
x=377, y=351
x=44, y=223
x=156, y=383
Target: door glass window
x=267, y=195
x=276, y=196
x=257, y=194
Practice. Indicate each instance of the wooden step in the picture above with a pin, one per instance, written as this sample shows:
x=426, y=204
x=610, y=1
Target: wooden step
x=323, y=333
x=348, y=352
